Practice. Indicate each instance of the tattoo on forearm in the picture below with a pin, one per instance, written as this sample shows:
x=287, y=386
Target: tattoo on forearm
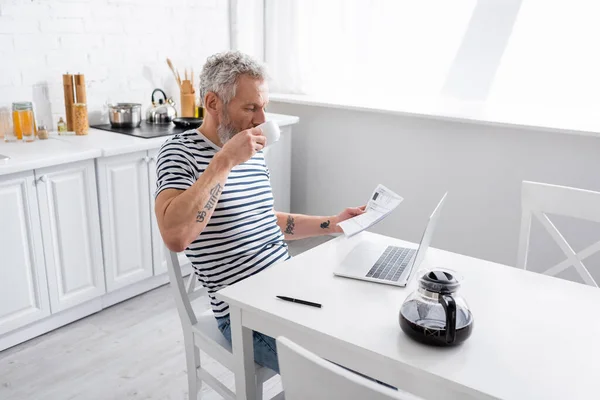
x=325, y=225
x=214, y=194
x=211, y=203
x=289, y=230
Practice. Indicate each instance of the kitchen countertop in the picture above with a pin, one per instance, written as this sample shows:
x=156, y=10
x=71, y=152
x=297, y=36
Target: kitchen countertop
x=97, y=143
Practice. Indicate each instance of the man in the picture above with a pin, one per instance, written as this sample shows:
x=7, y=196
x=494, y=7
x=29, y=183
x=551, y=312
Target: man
x=213, y=196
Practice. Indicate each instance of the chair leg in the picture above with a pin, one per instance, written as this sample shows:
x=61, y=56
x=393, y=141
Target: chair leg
x=198, y=365
x=192, y=358
x=259, y=390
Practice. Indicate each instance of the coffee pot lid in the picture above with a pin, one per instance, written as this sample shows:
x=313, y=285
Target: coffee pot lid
x=440, y=281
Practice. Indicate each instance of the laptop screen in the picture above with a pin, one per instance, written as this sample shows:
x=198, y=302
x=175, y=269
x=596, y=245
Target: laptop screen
x=428, y=233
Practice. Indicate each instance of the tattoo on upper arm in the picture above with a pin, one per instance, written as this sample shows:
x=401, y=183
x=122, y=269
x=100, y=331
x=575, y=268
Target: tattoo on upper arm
x=211, y=203
x=325, y=225
x=289, y=230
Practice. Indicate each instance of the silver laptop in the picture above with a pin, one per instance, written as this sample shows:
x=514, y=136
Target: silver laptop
x=391, y=265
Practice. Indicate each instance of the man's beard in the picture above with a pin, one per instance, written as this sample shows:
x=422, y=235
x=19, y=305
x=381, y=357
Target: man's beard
x=226, y=130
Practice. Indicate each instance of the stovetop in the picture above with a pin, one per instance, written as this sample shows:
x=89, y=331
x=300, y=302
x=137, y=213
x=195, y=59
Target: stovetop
x=145, y=130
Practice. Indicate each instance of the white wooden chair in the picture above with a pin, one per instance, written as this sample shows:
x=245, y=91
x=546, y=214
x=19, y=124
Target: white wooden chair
x=202, y=333
x=307, y=376
x=539, y=199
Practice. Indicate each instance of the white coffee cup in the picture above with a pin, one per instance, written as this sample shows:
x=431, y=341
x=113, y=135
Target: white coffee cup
x=270, y=130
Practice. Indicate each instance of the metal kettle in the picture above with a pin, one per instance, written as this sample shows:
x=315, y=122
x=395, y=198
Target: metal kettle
x=162, y=113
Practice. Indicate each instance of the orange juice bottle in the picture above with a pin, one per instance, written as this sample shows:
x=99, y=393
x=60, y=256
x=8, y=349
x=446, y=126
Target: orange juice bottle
x=23, y=121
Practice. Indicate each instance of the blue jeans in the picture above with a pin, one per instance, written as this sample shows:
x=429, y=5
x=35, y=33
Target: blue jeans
x=265, y=349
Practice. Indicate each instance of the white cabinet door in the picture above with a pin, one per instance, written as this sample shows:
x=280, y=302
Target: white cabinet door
x=279, y=160
x=125, y=215
x=70, y=222
x=158, y=248
x=23, y=287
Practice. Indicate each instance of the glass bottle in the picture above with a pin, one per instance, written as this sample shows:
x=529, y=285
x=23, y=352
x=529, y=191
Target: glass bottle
x=80, y=119
x=6, y=126
x=62, y=126
x=24, y=125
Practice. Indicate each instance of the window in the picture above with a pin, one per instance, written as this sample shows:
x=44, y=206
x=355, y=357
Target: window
x=552, y=56
x=489, y=52
x=367, y=47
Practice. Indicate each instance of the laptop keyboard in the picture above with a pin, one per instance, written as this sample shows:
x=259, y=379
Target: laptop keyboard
x=391, y=264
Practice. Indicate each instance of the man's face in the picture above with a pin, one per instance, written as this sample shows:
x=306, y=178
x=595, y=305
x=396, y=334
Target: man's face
x=246, y=110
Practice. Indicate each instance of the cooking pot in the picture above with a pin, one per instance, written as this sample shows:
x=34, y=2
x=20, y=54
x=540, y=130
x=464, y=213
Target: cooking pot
x=125, y=115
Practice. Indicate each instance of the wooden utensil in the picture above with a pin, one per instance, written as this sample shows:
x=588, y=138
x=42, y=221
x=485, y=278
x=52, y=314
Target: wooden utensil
x=186, y=87
x=175, y=73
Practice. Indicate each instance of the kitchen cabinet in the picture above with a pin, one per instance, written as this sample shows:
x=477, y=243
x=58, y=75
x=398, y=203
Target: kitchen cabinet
x=133, y=247
x=70, y=225
x=78, y=230
x=23, y=285
x=123, y=187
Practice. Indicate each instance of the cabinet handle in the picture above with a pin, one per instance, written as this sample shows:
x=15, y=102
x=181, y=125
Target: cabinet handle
x=146, y=159
x=153, y=159
x=42, y=178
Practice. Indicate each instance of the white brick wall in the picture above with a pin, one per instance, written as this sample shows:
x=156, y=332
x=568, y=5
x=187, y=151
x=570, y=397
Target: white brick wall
x=120, y=45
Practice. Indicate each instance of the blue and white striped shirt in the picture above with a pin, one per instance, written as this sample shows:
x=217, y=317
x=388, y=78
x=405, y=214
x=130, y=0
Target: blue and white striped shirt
x=242, y=237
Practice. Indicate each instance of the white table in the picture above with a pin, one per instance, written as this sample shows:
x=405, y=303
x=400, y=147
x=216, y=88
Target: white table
x=535, y=337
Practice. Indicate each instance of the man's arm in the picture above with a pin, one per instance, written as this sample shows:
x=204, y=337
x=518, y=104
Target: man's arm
x=183, y=214
x=299, y=226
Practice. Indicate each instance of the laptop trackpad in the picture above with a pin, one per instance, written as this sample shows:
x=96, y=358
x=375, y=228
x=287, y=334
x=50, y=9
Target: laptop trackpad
x=360, y=260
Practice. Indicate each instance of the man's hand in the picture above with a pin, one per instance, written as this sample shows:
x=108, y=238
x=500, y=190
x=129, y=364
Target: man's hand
x=347, y=214
x=243, y=146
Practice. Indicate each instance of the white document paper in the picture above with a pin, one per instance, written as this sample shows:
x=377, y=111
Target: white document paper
x=382, y=202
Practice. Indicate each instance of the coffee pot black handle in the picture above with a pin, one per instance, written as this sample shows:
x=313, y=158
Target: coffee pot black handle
x=450, y=308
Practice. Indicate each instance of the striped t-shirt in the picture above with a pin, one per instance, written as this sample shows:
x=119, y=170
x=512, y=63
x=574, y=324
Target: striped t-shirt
x=242, y=237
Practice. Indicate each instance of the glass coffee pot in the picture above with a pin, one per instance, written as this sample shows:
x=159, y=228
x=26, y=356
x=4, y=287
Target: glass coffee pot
x=435, y=314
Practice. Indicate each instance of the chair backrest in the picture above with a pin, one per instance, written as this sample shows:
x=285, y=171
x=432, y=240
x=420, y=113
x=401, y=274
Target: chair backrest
x=539, y=199
x=306, y=376
x=183, y=292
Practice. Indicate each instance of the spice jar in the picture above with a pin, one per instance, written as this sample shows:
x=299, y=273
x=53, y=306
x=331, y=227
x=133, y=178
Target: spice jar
x=42, y=132
x=80, y=119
